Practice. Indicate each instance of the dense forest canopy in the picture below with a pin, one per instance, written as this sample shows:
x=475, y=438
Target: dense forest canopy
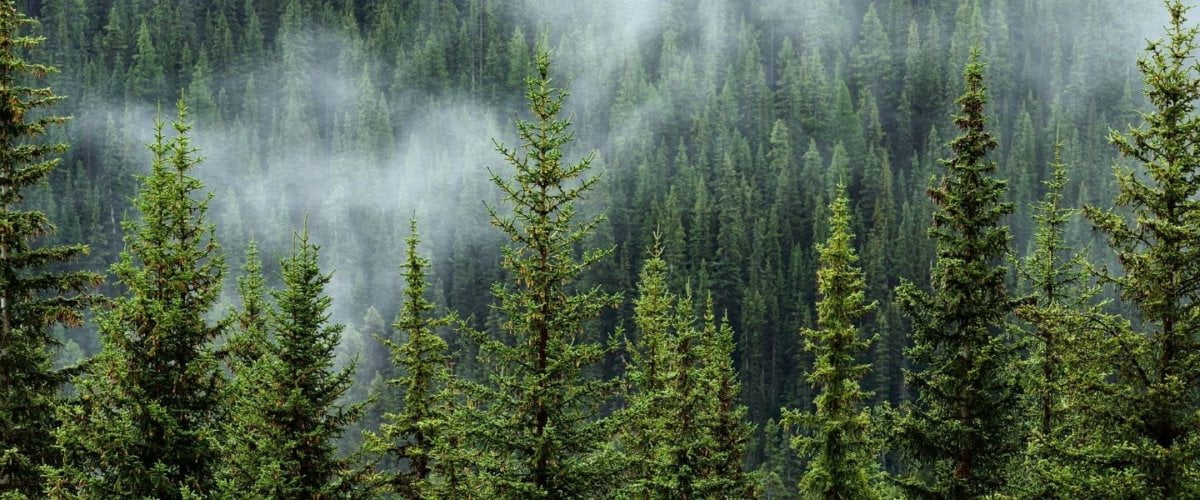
x=667, y=249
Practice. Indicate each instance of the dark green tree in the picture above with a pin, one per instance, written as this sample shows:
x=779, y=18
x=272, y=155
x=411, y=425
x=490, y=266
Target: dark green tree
x=725, y=431
x=146, y=421
x=35, y=293
x=1155, y=233
x=410, y=437
x=290, y=413
x=1073, y=345
x=248, y=340
x=960, y=435
x=837, y=435
x=648, y=434
x=540, y=431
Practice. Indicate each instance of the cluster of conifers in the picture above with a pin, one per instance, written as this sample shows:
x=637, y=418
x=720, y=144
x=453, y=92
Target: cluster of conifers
x=1081, y=404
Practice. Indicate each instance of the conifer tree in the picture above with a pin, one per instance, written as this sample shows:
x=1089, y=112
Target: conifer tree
x=648, y=433
x=411, y=436
x=540, y=432
x=1155, y=233
x=959, y=436
x=837, y=438
x=727, y=431
x=35, y=294
x=289, y=416
x=249, y=339
x=1073, y=344
x=148, y=406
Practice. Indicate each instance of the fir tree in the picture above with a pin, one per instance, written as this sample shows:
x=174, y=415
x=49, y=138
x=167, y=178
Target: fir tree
x=958, y=436
x=147, y=417
x=248, y=341
x=1156, y=237
x=1072, y=348
x=411, y=437
x=837, y=438
x=648, y=435
x=540, y=430
x=288, y=417
x=727, y=432
x=35, y=294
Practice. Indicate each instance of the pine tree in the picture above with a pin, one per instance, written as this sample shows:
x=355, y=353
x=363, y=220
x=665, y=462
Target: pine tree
x=290, y=413
x=647, y=435
x=1156, y=238
x=411, y=437
x=540, y=432
x=146, y=80
x=1073, y=344
x=727, y=432
x=959, y=435
x=35, y=294
x=249, y=338
x=837, y=438
x=148, y=407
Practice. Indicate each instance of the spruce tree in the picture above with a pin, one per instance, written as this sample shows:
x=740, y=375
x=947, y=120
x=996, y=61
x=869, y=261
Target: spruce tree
x=411, y=437
x=1155, y=233
x=35, y=293
x=288, y=417
x=250, y=329
x=648, y=435
x=959, y=436
x=727, y=433
x=1072, y=346
x=539, y=431
x=146, y=421
x=837, y=440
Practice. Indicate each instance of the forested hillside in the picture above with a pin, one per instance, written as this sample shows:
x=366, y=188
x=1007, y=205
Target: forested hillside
x=633, y=249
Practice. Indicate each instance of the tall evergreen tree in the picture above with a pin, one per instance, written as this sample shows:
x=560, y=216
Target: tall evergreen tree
x=411, y=437
x=959, y=437
x=540, y=430
x=1071, y=351
x=837, y=442
x=35, y=294
x=288, y=417
x=721, y=473
x=146, y=421
x=1155, y=234
x=647, y=436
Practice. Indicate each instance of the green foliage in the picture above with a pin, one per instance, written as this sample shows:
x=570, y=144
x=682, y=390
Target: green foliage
x=249, y=339
x=539, y=432
x=290, y=411
x=837, y=435
x=959, y=436
x=1156, y=237
x=35, y=293
x=146, y=421
x=683, y=432
x=414, y=438
x=1073, y=346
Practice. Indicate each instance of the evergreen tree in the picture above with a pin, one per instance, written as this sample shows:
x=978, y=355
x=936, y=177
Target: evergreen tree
x=728, y=433
x=1072, y=350
x=35, y=293
x=1156, y=238
x=647, y=435
x=146, y=80
x=540, y=430
x=249, y=340
x=410, y=437
x=837, y=438
x=290, y=413
x=148, y=407
x=959, y=437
